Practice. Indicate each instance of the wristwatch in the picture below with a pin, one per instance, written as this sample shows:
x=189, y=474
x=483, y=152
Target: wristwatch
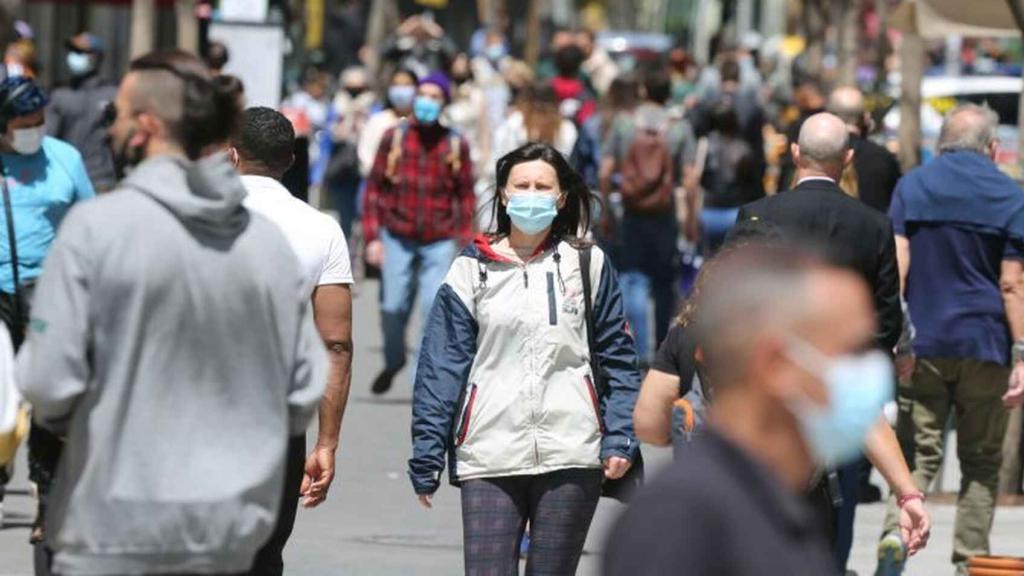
x=1018, y=351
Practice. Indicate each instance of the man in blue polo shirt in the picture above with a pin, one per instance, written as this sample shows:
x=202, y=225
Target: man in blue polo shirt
x=44, y=177
x=959, y=225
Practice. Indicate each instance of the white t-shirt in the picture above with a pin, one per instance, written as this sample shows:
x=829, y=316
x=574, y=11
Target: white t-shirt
x=316, y=237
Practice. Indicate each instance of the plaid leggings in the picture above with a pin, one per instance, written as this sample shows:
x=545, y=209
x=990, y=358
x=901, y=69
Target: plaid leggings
x=559, y=507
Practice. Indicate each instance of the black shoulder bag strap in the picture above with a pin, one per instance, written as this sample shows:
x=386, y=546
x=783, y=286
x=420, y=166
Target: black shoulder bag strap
x=623, y=488
x=18, y=322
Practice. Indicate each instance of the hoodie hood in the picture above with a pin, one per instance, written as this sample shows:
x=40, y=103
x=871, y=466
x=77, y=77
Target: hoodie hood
x=206, y=193
x=967, y=188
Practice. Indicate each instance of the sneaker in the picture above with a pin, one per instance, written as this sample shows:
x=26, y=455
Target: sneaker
x=892, y=556
x=383, y=381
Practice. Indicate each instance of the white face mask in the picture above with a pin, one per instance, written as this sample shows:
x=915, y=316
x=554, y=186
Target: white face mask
x=28, y=141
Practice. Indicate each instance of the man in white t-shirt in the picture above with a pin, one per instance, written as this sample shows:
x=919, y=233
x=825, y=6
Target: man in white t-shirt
x=262, y=150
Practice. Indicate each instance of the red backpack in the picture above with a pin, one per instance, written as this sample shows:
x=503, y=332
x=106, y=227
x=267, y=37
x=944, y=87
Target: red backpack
x=647, y=173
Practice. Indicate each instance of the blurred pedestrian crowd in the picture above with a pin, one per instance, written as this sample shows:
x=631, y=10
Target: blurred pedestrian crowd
x=603, y=251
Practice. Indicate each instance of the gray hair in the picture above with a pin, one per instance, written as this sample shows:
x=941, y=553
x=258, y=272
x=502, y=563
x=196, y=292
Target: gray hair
x=968, y=127
x=824, y=139
x=746, y=293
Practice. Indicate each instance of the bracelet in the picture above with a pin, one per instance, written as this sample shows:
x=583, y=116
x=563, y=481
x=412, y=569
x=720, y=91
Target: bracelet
x=1017, y=352
x=903, y=500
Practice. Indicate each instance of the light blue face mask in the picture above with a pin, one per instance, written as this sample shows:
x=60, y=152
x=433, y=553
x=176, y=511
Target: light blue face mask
x=79, y=63
x=401, y=97
x=858, y=387
x=495, y=52
x=426, y=110
x=532, y=213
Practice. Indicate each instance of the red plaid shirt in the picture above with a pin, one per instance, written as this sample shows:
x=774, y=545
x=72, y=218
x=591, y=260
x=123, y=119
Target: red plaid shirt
x=427, y=200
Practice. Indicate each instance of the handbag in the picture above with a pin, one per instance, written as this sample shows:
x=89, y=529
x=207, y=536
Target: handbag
x=621, y=489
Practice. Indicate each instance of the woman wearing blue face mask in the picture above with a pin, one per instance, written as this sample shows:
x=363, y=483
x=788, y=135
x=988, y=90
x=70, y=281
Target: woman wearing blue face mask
x=505, y=388
x=398, y=100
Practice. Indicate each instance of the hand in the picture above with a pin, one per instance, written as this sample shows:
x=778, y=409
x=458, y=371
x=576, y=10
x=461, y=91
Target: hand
x=375, y=253
x=616, y=467
x=915, y=526
x=1014, y=396
x=318, y=477
x=427, y=501
x=905, y=364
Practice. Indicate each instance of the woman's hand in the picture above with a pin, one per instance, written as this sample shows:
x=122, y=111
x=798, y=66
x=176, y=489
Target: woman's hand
x=616, y=467
x=427, y=501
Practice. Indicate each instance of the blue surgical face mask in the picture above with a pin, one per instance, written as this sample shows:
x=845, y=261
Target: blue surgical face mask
x=495, y=52
x=79, y=63
x=426, y=110
x=401, y=96
x=532, y=213
x=858, y=387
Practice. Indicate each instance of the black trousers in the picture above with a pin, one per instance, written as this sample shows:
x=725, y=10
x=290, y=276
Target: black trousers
x=270, y=559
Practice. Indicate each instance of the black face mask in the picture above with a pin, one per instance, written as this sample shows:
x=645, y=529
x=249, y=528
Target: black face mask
x=125, y=157
x=461, y=78
x=355, y=91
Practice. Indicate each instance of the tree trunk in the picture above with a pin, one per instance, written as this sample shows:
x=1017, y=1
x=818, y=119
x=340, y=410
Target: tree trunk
x=143, y=21
x=533, y=39
x=912, y=67
x=187, y=25
x=383, y=18
x=849, y=41
x=882, y=46
x=813, y=22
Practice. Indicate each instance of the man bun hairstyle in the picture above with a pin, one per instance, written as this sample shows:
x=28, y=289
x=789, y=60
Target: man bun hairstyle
x=207, y=111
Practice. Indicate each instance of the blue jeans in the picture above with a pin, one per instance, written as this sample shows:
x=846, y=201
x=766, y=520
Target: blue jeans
x=715, y=224
x=637, y=290
x=648, y=267
x=344, y=198
x=410, y=269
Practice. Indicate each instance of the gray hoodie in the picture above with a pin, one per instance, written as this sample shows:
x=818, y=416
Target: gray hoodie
x=172, y=344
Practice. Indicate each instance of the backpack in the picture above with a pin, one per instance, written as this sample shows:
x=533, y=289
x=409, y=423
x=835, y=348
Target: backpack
x=454, y=159
x=648, y=178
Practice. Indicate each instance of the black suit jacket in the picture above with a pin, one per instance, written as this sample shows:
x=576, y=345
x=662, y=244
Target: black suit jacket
x=852, y=234
x=878, y=171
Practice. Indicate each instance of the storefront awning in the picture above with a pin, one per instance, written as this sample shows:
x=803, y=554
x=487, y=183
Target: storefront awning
x=941, y=18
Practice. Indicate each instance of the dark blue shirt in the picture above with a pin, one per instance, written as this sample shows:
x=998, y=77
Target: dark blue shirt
x=953, y=287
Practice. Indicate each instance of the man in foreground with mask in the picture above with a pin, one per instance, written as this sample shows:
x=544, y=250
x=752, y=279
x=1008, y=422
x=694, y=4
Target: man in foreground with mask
x=76, y=112
x=175, y=368
x=787, y=344
x=859, y=239
x=45, y=177
x=419, y=206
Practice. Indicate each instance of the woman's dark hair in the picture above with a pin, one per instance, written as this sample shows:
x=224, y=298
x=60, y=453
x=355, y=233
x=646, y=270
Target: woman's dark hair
x=541, y=116
x=208, y=111
x=573, y=218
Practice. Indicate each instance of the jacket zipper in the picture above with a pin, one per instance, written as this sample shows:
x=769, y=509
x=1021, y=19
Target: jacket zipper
x=595, y=402
x=552, y=307
x=466, y=415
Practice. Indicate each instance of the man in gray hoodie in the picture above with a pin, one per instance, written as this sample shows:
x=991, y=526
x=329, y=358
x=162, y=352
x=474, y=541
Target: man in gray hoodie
x=173, y=347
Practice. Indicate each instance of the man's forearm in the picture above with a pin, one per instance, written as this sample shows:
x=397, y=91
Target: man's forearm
x=332, y=406
x=883, y=450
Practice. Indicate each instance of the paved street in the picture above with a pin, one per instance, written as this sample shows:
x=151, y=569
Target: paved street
x=372, y=525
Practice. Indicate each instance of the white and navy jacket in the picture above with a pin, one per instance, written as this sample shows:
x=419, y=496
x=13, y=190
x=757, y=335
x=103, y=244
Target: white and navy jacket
x=504, y=384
